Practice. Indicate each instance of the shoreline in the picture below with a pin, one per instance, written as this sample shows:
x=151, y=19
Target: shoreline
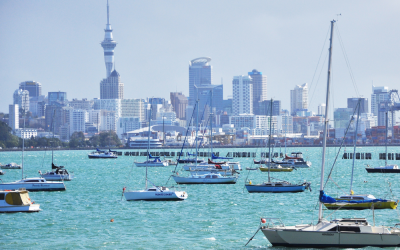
x=176, y=147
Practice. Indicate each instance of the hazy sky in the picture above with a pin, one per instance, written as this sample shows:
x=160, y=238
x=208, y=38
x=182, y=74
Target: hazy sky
x=57, y=43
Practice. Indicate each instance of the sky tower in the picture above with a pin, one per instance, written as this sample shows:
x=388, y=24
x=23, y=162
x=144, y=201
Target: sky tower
x=108, y=45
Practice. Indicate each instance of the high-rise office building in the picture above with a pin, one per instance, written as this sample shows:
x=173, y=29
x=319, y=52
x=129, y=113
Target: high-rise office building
x=57, y=98
x=352, y=103
x=379, y=96
x=209, y=95
x=264, y=107
x=200, y=73
x=34, y=88
x=299, y=98
x=13, y=118
x=21, y=97
x=179, y=102
x=112, y=87
x=108, y=45
x=242, y=95
x=259, y=82
x=321, y=109
x=77, y=120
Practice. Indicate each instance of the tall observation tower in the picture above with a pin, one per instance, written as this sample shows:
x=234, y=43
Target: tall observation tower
x=108, y=45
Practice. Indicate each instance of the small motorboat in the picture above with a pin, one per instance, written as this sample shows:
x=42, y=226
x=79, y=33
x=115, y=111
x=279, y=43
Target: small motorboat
x=34, y=184
x=13, y=201
x=11, y=165
x=384, y=169
x=250, y=168
x=171, y=162
x=276, y=168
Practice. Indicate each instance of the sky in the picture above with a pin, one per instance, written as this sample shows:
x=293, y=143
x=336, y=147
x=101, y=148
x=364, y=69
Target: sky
x=57, y=43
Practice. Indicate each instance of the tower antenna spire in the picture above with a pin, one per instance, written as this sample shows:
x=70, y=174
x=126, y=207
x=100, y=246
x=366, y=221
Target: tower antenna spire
x=108, y=15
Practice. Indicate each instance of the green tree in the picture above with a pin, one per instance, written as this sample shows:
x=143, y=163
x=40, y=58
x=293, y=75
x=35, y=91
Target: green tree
x=109, y=138
x=77, y=140
x=6, y=138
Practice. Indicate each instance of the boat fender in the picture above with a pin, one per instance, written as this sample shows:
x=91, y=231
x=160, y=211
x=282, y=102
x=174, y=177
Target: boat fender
x=263, y=220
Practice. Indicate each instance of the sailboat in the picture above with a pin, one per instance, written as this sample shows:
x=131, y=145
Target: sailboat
x=356, y=232
x=393, y=168
x=275, y=187
x=153, y=193
x=353, y=201
x=205, y=173
x=32, y=184
x=59, y=173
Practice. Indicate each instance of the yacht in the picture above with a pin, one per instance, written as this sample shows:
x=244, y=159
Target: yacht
x=11, y=165
x=99, y=154
x=13, y=201
x=34, y=184
x=142, y=143
x=384, y=169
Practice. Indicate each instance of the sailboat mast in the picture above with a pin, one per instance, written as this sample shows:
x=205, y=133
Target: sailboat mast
x=148, y=140
x=23, y=146
x=326, y=121
x=197, y=123
x=211, y=121
x=269, y=141
x=355, y=145
x=386, y=136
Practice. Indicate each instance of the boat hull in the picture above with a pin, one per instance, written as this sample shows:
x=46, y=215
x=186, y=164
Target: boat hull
x=24, y=209
x=151, y=164
x=315, y=239
x=276, y=169
x=382, y=170
x=34, y=187
x=102, y=157
x=361, y=206
x=191, y=180
x=155, y=196
x=57, y=177
x=260, y=188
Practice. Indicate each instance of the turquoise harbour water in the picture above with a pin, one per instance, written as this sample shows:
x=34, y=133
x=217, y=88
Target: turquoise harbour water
x=213, y=217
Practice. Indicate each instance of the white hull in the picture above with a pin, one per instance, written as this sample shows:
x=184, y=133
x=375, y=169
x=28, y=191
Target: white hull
x=57, y=177
x=155, y=195
x=201, y=180
x=151, y=164
x=205, y=167
x=15, y=209
x=34, y=184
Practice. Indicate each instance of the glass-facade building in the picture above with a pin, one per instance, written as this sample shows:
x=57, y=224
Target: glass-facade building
x=34, y=88
x=200, y=73
x=57, y=97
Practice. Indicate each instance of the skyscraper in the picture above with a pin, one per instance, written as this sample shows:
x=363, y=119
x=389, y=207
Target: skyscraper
x=352, y=103
x=56, y=98
x=200, y=73
x=13, y=118
x=34, y=88
x=21, y=97
x=108, y=45
x=379, y=96
x=242, y=95
x=112, y=87
x=299, y=98
x=259, y=82
x=179, y=102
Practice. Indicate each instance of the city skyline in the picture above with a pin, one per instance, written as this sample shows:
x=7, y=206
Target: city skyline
x=287, y=48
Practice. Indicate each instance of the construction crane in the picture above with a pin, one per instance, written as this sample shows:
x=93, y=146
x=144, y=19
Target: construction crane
x=392, y=104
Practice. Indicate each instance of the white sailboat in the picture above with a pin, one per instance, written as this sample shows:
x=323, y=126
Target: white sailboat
x=32, y=184
x=356, y=232
x=153, y=193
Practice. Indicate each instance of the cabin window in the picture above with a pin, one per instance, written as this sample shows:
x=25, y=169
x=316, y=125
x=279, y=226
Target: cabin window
x=215, y=176
x=278, y=184
x=152, y=189
x=207, y=176
x=2, y=196
x=32, y=181
x=349, y=229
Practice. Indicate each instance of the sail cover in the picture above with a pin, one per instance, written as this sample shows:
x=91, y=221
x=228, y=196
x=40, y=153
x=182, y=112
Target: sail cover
x=217, y=157
x=324, y=198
